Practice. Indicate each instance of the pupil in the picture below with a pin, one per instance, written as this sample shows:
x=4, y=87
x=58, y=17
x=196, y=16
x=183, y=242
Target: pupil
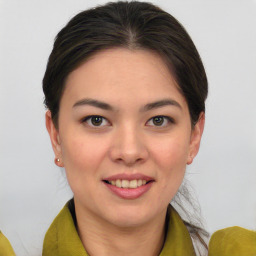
x=158, y=120
x=96, y=120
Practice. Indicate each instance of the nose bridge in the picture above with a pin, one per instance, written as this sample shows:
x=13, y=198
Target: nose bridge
x=129, y=145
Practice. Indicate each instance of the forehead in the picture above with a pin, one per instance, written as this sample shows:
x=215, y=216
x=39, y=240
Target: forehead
x=123, y=74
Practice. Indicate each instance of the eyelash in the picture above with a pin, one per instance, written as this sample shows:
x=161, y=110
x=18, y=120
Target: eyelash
x=169, y=120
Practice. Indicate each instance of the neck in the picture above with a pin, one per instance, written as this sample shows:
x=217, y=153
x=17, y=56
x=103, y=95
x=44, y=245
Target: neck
x=101, y=238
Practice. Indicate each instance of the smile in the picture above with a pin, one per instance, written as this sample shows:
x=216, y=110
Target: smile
x=127, y=183
x=128, y=186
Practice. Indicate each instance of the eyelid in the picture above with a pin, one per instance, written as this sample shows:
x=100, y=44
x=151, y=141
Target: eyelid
x=169, y=119
x=85, y=119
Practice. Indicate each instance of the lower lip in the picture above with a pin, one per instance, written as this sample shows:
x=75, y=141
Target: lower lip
x=129, y=193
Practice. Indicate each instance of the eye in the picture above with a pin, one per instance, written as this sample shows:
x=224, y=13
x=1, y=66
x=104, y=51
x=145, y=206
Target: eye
x=160, y=121
x=95, y=121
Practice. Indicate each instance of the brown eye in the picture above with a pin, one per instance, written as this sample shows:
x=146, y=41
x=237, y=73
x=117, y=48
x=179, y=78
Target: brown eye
x=95, y=121
x=158, y=120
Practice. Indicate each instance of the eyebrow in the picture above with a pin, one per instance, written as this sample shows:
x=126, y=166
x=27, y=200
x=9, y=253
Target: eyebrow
x=147, y=107
x=160, y=103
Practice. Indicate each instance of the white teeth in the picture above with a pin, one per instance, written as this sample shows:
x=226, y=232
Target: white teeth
x=113, y=182
x=127, y=183
x=133, y=184
x=118, y=183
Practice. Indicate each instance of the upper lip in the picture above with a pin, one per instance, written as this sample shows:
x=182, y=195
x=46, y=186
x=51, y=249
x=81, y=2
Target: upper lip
x=129, y=176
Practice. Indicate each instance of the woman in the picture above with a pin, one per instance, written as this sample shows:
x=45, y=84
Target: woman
x=125, y=90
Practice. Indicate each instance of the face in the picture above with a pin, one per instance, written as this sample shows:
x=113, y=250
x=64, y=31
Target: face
x=124, y=136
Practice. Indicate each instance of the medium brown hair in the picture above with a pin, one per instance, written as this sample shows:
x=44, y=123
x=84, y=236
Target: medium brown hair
x=132, y=25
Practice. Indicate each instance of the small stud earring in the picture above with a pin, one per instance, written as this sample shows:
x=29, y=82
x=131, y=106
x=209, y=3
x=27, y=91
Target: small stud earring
x=57, y=161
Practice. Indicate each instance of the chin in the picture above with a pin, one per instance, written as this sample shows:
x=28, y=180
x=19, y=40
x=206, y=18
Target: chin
x=130, y=216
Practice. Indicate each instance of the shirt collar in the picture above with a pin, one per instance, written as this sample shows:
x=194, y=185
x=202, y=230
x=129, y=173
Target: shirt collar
x=62, y=238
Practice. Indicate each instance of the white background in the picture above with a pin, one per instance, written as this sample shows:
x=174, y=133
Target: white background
x=33, y=189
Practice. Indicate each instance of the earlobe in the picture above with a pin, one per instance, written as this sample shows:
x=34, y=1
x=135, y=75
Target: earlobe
x=54, y=136
x=196, y=136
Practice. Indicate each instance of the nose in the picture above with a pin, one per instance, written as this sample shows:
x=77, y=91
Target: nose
x=128, y=147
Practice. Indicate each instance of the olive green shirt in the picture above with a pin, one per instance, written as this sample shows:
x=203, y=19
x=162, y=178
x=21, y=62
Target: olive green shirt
x=5, y=246
x=62, y=238
x=235, y=241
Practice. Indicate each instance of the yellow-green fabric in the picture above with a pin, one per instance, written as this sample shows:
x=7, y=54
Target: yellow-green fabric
x=62, y=239
x=233, y=241
x=5, y=246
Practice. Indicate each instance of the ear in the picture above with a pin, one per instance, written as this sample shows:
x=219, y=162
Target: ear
x=55, y=138
x=195, y=138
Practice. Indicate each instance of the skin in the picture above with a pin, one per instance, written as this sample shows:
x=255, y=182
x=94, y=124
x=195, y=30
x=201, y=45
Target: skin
x=127, y=141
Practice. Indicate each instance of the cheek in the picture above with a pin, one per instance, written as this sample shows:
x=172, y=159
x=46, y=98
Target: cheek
x=170, y=157
x=171, y=153
x=82, y=157
x=82, y=154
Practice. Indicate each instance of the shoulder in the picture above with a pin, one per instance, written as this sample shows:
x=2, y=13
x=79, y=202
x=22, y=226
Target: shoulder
x=5, y=246
x=235, y=241
x=62, y=239
x=50, y=245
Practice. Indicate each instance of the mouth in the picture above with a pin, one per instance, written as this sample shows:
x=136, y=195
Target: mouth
x=132, y=184
x=129, y=186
